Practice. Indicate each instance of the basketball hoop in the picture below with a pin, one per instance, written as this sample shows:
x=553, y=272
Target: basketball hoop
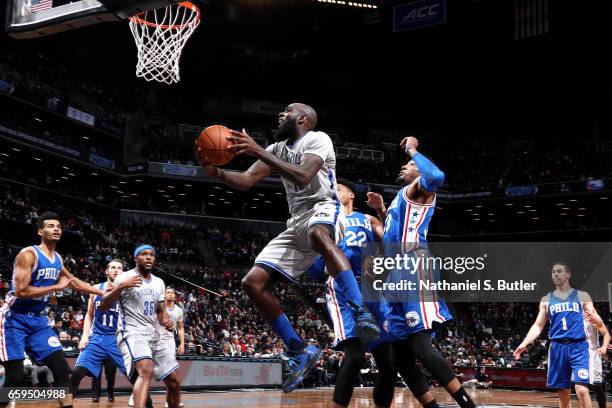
x=160, y=36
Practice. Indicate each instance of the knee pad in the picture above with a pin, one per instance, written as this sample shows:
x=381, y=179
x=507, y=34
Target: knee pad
x=418, y=385
x=59, y=367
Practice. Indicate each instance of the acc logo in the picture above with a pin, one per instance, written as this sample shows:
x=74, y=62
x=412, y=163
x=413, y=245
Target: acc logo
x=412, y=319
x=54, y=341
x=421, y=12
x=321, y=215
x=583, y=373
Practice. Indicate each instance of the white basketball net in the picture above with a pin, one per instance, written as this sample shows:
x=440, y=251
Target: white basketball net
x=160, y=36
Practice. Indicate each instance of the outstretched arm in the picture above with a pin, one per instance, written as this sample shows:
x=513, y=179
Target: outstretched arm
x=239, y=180
x=79, y=285
x=535, y=329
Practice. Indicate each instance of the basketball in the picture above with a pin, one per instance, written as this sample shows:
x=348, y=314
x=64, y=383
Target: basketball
x=213, y=144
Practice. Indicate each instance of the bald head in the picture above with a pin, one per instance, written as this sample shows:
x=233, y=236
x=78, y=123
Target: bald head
x=309, y=112
x=296, y=120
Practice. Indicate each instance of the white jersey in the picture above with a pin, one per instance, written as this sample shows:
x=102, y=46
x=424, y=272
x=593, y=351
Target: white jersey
x=176, y=315
x=138, y=306
x=322, y=186
x=592, y=335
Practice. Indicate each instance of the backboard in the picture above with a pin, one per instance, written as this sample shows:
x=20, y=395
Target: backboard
x=36, y=18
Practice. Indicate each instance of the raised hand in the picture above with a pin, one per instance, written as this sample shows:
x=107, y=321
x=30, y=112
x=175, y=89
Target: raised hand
x=375, y=201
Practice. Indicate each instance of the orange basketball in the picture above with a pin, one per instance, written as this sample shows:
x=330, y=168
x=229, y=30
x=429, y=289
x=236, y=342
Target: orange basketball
x=213, y=144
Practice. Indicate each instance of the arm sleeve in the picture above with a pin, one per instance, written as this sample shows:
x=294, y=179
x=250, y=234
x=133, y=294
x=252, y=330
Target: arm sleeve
x=432, y=177
x=320, y=145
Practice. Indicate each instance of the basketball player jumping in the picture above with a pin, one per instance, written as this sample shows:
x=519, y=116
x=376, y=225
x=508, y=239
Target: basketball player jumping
x=360, y=230
x=102, y=344
x=306, y=161
x=568, y=355
x=411, y=322
x=141, y=308
x=39, y=271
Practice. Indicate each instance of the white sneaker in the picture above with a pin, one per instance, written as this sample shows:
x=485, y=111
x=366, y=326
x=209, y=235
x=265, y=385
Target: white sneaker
x=131, y=401
x=181, y=405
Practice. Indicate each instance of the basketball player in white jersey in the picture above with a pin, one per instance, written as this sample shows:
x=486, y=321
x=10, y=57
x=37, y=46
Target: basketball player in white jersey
x=141, y=309
x=306, y=161
x=166, y=337
x=594, y=326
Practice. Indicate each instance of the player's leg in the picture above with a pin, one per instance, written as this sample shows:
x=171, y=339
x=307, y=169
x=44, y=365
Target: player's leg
x=96, y=387
x=405, y=362
x=110, y=371
x=164, y=369
x=384, y=385
x=354, y=357
x=58, y=365
x=173, y=390
x=564, y=398
x=581, y=371
x=321, y=231
x=13, y=333
x=600, y=394
x=420, y=346
x=137, y=357
x=144, y=370
x=76, y=377
x=43, y=345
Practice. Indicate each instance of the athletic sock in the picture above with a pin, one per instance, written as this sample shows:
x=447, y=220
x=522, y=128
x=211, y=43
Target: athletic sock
x=283, y=328
x=347, y=286
x=463, y=399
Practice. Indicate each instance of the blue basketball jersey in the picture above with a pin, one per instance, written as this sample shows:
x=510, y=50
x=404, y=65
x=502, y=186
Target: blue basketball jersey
x=45, y=272
x=407, y=221
x=565, y=317
x=358, y=230
x=105, y=321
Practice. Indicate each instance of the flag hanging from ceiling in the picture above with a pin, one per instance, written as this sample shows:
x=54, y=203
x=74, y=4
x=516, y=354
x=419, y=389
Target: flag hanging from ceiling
x=531, y=18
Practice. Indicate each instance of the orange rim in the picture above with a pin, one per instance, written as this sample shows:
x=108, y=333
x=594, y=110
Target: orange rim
x=186, y=4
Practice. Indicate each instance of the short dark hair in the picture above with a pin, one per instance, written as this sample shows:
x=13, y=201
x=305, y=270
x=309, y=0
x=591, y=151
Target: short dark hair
x=563, y=264
x=347, y=184
x=40, y=223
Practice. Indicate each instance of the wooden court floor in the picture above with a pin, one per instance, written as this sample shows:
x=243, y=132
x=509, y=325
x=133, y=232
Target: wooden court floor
x=320, y=398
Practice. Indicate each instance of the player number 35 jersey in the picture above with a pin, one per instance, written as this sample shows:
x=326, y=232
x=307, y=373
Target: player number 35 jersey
x=138, y=306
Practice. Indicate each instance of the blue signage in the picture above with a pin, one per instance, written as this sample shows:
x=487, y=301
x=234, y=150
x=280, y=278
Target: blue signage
x=419, y=14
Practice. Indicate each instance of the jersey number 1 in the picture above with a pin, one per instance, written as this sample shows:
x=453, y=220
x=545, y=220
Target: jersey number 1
x=564, y=323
